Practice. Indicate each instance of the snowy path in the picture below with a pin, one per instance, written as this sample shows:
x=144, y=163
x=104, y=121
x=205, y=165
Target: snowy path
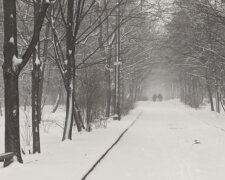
x=168, y=142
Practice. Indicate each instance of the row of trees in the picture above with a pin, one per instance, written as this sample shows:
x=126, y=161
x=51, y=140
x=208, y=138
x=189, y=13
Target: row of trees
x=93, y=55
x=195, y=49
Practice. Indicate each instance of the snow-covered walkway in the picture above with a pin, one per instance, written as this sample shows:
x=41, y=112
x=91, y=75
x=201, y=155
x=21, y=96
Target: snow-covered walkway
x=168, y=142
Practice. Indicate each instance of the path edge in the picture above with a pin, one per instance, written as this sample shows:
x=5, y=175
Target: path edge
x=110, y=148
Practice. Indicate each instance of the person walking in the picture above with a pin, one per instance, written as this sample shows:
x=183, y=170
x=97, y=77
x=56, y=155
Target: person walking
x=160, y=97
x=154, y=97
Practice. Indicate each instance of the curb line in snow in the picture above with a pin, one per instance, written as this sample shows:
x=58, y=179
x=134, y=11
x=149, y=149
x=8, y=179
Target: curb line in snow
x=110, y=148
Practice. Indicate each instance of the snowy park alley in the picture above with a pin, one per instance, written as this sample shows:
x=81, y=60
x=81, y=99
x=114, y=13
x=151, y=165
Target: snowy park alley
x=112, y=90
x=168, y=141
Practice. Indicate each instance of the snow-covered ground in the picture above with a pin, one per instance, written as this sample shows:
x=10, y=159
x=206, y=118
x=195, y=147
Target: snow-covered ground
x=169, y=141
x=68, y=160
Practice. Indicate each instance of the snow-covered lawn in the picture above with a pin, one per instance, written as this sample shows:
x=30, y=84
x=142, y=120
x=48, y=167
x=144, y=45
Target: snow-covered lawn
x=169, y=141
x=63, y=160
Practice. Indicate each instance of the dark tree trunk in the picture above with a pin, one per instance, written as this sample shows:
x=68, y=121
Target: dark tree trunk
x=88, y=115
x=36, y=103
x=209, y=90
x=11, y=69
x=108, y=73
x=12, y=133
x=67, y=133
x=108, y=93
x=70, y=50
x=10, y=72
x=217, y=97
x=187, y=91
x=117, y=109
x=77, y=122
x=192, y=92
x=195, y=98
x=131, y=91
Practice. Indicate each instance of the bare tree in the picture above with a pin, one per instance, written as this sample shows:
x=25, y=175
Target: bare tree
x=11, y=69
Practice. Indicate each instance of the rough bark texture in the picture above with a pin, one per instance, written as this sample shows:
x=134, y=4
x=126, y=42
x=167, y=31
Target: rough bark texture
x=10, y=72
x=12, y=133
x=36, y=103
x=67, y=133
x=69, y=116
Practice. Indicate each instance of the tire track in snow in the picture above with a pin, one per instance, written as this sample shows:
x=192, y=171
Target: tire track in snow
x=110, y=148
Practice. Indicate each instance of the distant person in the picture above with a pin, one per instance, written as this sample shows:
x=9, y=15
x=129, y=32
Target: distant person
x=160, y=97
x=154, y=97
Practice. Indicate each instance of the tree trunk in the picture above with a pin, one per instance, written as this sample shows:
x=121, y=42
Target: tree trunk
x=43, y=65
x=10, y=72
x=78, y=118
x=70, y=50
x=108, y=72
x=217, y=97
x=108, y=93
x=56, y=105
x=117, y=109
x=67, y=133
x=209, y=90
x=88, y=114
x=105, y=53
x=11, y=68
x=1, y=108
x=12, y=132
x=36, y=103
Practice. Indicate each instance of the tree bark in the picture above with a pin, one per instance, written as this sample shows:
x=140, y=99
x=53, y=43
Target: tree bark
x=12, y=132
x=67, y=133
x=11, y=75
x=78, y=118
x=217, y=97
x=11, y=68
x=117, y=109
x=36, y=103
x=209, y=90
x=56, y=105
x=108, y=94
x=43, y=65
